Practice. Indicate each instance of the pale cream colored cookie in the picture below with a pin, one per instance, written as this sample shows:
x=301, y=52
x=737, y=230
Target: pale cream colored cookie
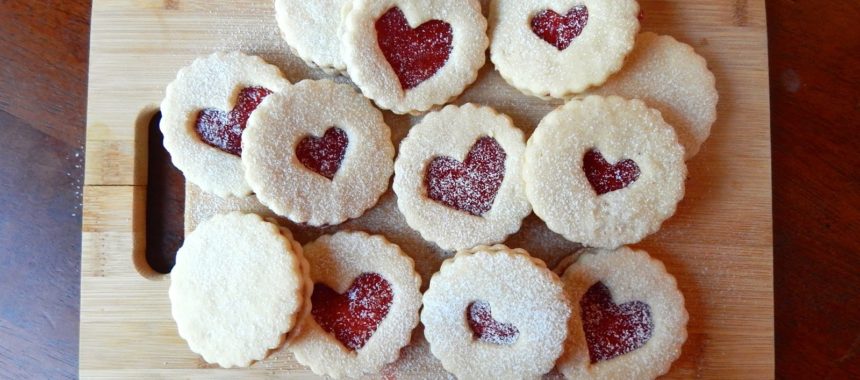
x=604, y=172
x=410, y=55
x=319, y=153
x=556, y=48
x=458, y=177
x=668, y=75
x=365, y=305
x=495, y=313
x=629, y=320
x=312, y=29
x=200, y=122
x=237, y=288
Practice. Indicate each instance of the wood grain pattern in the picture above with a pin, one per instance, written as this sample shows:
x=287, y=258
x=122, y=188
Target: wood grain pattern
x=719, y=245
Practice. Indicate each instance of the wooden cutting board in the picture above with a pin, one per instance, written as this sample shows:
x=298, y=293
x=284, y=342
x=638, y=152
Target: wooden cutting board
x=719, y=245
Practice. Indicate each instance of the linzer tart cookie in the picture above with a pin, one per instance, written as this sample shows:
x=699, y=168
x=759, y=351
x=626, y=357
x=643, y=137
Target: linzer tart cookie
x=495, y=313
x=319, y=153
x=629, y=320
x=669, y=76
x=365, y=305
x=604, y=172
x=312, y=28
x=237, y=288
x=458, y=177
x=409, y=55
x=204, y=113
x=555, y=48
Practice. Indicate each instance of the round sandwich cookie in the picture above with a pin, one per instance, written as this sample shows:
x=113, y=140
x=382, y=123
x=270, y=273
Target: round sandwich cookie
x=318, y=154
x=604, y=172
x=365, y=303
x=204, y=112
x=629, y=320
x=215, y=288
x=458, y=177
x=495, y=313
x=410, y=55
x=669, y=76
x=312, y=29
x=556, y=48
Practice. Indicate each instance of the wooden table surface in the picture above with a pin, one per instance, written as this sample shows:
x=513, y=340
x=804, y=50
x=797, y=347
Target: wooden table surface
x=815, y=87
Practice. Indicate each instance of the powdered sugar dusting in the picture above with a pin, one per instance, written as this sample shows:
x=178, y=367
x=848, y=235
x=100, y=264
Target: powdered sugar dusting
x=470, y=186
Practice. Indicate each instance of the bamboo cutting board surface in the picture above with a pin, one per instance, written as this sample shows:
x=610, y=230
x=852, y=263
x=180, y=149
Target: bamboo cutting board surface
x=719, y=244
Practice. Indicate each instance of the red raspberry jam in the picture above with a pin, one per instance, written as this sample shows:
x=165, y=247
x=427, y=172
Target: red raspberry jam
x=414, y=54
x=558, y=30
x=605, y=177
x=223, y=130
x=470, y=186
x=487, y=329
x=613, y=330
x=323, y=155
x=354, y=317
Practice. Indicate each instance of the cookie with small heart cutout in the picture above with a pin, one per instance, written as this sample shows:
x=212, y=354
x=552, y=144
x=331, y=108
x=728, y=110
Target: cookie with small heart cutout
x=215, y=288
x=205, y=111
x=557, y=48
x=458, y=177
x=629, y=319
x=318, y=154
x=411, y=55
x=604, y=172
x=364, y=306
x=495, y=313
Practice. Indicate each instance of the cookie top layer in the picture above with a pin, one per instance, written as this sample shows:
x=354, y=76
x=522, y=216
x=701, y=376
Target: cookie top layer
x=553, y=49
x=237, y=288
x=495, y=312
x=645, y=312
x=319, y=153
x=348, y=347
x=410, y=55
x=458, y=177
x=604, y=172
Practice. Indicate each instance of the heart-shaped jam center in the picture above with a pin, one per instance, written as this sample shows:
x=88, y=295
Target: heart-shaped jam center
x=353, y=317
x=414, y=54
x=487, y=329
x=470, y=186
x=558, y=30
x=223, y=130
x=613, y=330
x=605, y=177
x=323, y=155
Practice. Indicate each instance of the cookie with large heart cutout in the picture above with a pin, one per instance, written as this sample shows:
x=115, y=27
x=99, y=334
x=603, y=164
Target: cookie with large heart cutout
x=365, y=305
x=410, y=55
x=457, y=177
x=628, y=320
x=557, y=48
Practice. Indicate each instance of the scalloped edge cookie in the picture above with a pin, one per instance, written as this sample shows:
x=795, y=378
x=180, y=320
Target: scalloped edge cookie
x=452, y=132
x=336, y=261
x=560, y=192
x=631, y=275
x=521, y=291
